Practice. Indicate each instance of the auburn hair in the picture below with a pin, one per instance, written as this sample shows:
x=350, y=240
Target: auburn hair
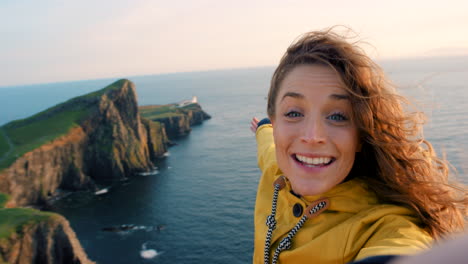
x=395, y=161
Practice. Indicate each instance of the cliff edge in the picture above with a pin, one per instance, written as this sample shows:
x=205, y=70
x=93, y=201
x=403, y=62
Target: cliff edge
x=91, y=138
x=72, y=146
x=32, y=236
x=177, y=120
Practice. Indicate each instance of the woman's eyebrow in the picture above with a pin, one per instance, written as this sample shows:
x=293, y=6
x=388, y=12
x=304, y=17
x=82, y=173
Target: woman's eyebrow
x=293, y=94
x=301, y=96
x=339, y=96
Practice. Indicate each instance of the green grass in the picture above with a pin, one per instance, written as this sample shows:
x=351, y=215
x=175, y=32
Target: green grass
x=27, y=136
x=46, y=129
x=163, y=111
x=30, y=133
x=3, y=199
x=4, y=147
x=13, y=219
x=160, y=111
x=191, y=107
x=156, y=109
x=164, y=115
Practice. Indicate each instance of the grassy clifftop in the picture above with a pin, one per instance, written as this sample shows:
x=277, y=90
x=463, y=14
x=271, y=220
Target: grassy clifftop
x=159, y=111
x=177, y=121
x=21, y=136
x=31, y=236
x=3, y=199
x=153, y=112
x=13, y=219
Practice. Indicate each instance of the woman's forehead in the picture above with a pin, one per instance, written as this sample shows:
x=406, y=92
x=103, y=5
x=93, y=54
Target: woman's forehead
x=312, y=78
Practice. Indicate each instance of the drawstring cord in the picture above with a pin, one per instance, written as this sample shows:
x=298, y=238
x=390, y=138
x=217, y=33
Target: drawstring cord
x=271, y=223
x=312, y=210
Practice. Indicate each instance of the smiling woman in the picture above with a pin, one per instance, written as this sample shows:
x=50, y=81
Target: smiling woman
x=316, y=139
x=346, y=175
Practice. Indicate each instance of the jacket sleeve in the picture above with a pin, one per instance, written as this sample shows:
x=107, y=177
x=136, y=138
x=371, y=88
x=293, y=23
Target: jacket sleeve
x=266, y=156
x=395, y=235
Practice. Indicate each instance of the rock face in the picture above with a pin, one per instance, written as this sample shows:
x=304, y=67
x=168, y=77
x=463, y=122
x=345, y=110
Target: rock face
x=157, y=138
x=175, y=126
x=196, y=115
x=48, y=241
x=180, y=123
x=110, y=142
x=117, y=140
x=107, y=140
x=35, y=176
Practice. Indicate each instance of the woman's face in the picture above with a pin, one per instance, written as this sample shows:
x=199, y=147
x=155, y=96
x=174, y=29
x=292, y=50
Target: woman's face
x=316, y=140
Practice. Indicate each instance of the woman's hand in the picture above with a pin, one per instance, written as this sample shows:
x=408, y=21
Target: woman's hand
x=254, y=124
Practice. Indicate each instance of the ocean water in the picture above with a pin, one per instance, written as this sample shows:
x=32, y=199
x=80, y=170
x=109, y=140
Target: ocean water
x=198, y=207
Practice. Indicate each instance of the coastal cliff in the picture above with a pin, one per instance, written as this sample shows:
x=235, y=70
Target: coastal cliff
x=89, y=139
x=157, y=138
x=177, y=120
x=72, y=146
x=40, y=237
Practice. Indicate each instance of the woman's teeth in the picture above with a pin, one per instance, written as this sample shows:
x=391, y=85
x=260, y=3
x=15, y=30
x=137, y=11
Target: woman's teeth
x=313, y=162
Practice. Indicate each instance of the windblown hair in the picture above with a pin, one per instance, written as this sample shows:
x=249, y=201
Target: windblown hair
x=395, y=161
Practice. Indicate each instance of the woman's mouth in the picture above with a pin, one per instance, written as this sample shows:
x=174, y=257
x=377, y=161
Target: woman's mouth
x=314, y=162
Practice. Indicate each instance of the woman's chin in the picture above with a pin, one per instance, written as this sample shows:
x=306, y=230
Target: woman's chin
x=309, y=188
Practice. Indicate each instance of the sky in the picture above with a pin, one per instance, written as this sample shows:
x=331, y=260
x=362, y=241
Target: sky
x=55, y=40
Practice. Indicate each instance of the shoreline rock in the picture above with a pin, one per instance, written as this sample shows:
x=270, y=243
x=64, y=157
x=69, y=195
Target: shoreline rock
x=102, y=136
x=112, y=141
x=50, y=240
x=180, y=122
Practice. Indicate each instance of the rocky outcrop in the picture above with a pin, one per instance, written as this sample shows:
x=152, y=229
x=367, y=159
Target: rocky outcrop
x=179, y=124
x=50, y=240
x=109, y=142
x=157, y=138
x=175, y=125
x=196, y=115
x=106, y=139
x=35, y=176
x=117, y=141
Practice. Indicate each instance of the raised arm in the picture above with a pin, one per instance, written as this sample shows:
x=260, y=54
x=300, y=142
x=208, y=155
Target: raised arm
x=266, y=155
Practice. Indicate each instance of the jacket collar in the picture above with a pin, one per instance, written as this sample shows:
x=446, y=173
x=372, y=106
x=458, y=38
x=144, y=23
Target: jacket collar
x=351, y=196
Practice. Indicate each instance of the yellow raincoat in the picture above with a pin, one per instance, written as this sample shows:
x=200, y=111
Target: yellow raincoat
x=355, y=226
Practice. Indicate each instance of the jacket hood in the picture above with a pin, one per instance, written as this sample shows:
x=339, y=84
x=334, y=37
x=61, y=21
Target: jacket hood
x=349, y=197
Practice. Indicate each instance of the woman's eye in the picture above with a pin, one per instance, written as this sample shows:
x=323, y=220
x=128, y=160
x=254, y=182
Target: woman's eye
x=293, y=114
x=338, y=117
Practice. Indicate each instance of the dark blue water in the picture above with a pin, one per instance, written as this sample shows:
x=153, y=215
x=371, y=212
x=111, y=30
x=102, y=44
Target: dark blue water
x=203, y=197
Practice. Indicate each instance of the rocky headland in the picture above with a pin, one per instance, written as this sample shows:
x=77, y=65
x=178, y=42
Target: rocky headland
x=177, y=120
x=98, y=137
x=32, y=236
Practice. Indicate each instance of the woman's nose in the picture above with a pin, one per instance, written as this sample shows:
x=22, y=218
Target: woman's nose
x=313, y=131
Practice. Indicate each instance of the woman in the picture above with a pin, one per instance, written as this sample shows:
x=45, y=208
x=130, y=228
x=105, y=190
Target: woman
x=346, y=175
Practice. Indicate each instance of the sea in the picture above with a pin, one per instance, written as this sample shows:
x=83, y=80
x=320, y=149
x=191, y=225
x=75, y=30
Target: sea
x=197, y=205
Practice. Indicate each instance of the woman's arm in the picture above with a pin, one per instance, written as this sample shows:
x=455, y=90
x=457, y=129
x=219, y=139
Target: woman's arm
x=454, y=252
x=265, y=146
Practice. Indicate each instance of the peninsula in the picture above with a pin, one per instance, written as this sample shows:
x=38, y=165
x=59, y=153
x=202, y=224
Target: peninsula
x=72, y=146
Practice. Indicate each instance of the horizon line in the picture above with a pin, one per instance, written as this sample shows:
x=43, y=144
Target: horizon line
x=381, y=60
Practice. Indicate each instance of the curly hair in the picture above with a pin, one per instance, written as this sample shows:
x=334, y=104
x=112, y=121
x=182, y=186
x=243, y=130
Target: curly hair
x=395, y=161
